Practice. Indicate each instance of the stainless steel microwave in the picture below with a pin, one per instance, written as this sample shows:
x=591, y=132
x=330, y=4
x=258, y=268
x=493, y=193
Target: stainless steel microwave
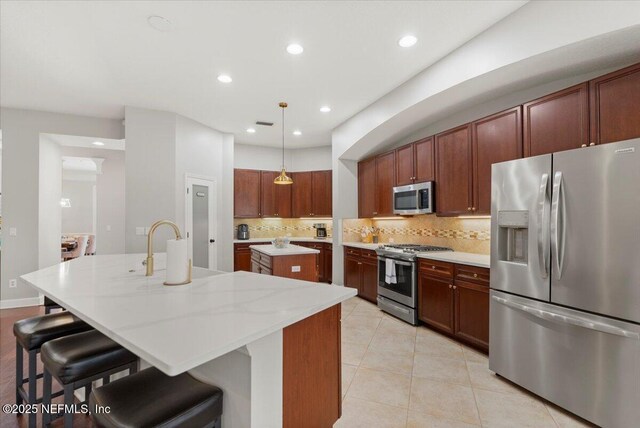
x=413, y=199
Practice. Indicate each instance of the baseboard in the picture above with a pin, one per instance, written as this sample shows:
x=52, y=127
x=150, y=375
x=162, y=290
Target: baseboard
x=21, y=303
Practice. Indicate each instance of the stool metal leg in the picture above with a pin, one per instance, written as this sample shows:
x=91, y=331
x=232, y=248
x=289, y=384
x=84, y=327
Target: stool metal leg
x=68, y=403
x=19, y=373
x=106, y=380
x=46, y=399
x=32, y=385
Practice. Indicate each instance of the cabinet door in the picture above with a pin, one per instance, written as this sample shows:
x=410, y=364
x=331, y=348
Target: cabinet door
x=352, y=273
x=405, y=164
x=367, y=188
x=385, y=181
x=472, y=313
x=556, y=122
x=328, y=263
x=435, y=302
x=268, y=204
x=454, y=172
x=369, y=285
x=424, y=165
x=246, y=193
x=615, y=106
x=301, y=194
x=496, y=138
x=242, y=257
x=283, y=200
x=321, y=193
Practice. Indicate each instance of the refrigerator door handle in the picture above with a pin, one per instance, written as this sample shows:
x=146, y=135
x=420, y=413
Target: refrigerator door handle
x=551, y=316
x=543, y=228
x=558, y=219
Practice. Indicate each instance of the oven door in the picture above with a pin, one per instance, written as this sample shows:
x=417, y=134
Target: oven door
x=404, y=291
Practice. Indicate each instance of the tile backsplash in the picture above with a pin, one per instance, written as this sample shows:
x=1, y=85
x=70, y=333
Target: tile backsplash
x=472, y=235
x=274, y=227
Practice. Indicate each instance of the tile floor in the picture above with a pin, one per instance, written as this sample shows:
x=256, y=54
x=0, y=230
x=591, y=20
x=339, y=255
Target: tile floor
x=397, y=375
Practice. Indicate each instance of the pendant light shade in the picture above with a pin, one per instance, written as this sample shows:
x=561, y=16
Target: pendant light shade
x=283, y=178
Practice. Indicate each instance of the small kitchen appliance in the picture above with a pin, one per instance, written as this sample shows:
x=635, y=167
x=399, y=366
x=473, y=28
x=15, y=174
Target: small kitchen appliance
x=243, y=231
x=321, y=230
x=413, y=199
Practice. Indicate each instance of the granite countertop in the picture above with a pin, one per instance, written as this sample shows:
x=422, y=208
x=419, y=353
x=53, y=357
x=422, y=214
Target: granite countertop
x=179, y=328
x=472, y=259
x=361, y=245
x=291, y=239
x=289, y=250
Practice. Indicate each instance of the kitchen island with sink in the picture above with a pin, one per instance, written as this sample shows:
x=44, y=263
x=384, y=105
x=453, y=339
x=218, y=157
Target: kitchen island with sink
x=271, y=344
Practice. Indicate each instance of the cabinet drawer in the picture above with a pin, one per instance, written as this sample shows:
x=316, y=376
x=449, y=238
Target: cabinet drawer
x=441, y=269
x=351, y=251
x=476, y=275
x=242, y=247
x=265, y=260
x=368, y=254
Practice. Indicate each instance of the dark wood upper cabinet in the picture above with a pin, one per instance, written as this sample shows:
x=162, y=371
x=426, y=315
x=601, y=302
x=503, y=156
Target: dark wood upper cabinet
x=454, y=172
x=301, y=201
x=385, y=182
x=424, y=162
x=496, y=138
x=367, y=188
x=615, y=106
x=321, y=193
x=556, y=122
x=246, y=199
x=414, y=162
x=275, y=200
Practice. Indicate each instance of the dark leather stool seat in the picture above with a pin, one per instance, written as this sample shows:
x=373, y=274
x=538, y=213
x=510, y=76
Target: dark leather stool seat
x=77, y=360
x=82, y=355
x=150, y=398
x=32, y=333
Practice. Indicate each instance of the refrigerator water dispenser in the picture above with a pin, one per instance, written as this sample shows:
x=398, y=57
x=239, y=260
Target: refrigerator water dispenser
x=513, y=236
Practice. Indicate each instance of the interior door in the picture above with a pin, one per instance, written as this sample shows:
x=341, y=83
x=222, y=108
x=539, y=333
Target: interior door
x=200, y=222
x=520, y=207
x=595, y=231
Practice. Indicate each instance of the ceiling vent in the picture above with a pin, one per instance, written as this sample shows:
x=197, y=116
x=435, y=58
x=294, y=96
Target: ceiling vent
x=264, y=123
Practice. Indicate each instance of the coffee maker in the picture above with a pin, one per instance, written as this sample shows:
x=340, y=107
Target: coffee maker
x=243, y=231
x=321, y=230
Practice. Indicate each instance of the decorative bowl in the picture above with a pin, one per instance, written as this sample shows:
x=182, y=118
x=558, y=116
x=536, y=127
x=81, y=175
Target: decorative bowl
x=281, y=242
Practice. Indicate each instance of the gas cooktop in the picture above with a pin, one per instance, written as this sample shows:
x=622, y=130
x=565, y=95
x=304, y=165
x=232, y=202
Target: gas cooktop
x=407, y=251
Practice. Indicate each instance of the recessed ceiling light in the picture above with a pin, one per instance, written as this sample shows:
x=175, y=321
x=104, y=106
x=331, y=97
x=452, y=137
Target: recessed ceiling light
x=297, y=132
x=98, y=143
x=160, y=23
x=294, y=49
x=251, y=130
x=407, y=41
x=325, y=109
x=225, y=78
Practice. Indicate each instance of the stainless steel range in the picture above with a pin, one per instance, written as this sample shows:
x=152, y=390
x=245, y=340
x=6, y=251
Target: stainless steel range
x=398, y=279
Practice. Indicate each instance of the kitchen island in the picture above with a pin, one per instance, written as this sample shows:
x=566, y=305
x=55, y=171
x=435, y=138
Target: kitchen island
x=271, y=344
x=292, y=261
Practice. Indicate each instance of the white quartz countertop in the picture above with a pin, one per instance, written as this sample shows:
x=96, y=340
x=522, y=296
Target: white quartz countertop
x=179, y=328
x=289, y=250
x=361, y=245
x=480, y=260
x=252, y=240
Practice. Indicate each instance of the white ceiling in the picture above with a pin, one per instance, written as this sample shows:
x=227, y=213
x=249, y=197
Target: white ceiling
x=93, y=58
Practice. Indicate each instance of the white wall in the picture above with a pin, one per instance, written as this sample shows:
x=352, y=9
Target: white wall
x=49, y=213
x=20, y=193
x=78, y=218
x=270, y=158
x=110, y=197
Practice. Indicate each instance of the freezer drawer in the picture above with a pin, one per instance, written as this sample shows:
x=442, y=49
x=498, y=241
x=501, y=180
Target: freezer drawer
x=588, y=364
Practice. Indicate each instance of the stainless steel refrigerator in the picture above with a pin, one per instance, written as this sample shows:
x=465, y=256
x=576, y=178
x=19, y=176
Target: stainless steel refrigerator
x=565, y=279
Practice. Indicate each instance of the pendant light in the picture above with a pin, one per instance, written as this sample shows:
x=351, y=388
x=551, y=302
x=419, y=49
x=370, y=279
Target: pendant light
x=283, y=178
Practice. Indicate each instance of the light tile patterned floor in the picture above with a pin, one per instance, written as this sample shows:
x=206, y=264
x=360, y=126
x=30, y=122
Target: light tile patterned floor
x=396, y=375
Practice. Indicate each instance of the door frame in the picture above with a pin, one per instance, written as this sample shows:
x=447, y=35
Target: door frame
x=189, y=180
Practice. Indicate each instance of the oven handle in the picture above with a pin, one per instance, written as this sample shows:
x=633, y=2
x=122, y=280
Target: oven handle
x=398, y=262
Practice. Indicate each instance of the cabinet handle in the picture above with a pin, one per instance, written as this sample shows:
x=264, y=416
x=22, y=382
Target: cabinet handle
x=584, y=145
x=359, y=263
x=592, y=144
x=475, y=275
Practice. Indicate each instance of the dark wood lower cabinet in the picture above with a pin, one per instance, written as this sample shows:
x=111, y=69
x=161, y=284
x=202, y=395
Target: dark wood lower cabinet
x=328, y=263
x=361, y=272
x=242, y=257
x=455, y=301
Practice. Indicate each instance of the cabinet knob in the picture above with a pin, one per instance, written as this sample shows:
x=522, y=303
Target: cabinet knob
x=454, y=287
x=450, y=285
x=468, y=208
x=433, y=267
x=473, y=208
x=592, y=144
x=584, y=145
x=475, y=275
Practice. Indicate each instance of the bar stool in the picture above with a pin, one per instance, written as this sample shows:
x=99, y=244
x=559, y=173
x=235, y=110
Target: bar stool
x=50, y=305
x=150, y=398
x=77, y=360
x=31, y=334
